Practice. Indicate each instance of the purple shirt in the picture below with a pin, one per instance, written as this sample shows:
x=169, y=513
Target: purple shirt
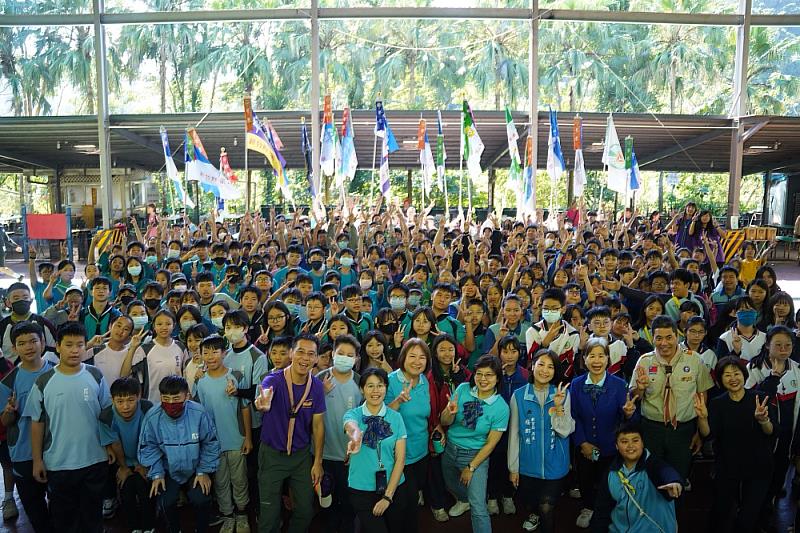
x=275, y=425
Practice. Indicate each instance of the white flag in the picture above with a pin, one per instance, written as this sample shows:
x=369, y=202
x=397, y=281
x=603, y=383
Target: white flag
x=614, y=159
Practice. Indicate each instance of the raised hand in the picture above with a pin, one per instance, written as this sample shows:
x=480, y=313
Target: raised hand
x=328, y=383
x=630, y=406
x=405, y=394
x=264, y=337
x=136, y=340
x=330, y=261
x=700, y=408
x=263, y=401
x=762, y=412
x=354, y=443
x=736, y=340
x=399, y=335
x=231, y=388
x=561, y=395
x=452, y=405
x=642, y=379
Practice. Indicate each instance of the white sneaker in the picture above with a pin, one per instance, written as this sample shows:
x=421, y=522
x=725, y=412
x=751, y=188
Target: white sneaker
x=242, y=523
x=228, y=525
x=109, y=506
x=420, y=499
x=508, y=506
x=531, y=523
x=575, y=494
x=458, y=509
x=440, y=515
x=492, y=507
x=584, y=518
x=10, y=510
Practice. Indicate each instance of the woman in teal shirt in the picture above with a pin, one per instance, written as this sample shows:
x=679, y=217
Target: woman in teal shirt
x=409, y=394
x=377, y=450
x=477, y=416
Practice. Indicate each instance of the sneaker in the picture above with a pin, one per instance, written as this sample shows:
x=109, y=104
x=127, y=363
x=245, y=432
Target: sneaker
x=508, y=506
x=531, y=523
x=440, y=515
x=228, y=525
x=575, y=494
x=242, y=523
x=584, y=518
x=492, y=507
x=109, y=506
x=458, y=509
x=10, y=510
x=420, y=499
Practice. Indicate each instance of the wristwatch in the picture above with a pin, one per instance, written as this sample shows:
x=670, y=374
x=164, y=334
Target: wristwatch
x=471, y=468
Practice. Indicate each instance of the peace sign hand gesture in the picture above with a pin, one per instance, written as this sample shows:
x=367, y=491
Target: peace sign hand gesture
x=264, y=337
x=642, y=379
x=136, y=340
x=630, y=406
x=263, y=400
x=405, y=395
x=736, y=340
x=452, y=405
x=762, y=412
x=700, y=408
x=399, y=335
x=561, y=395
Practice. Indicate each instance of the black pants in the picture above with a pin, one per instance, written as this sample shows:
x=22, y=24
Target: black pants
x=499, y=485
x=168, y=504
x=76, y=498
x=393, y=519
x=33, y=496
x=136, y=502
x=590, y=475
x=541, y=496
x=340, y=516
x=737, y=503
x=416, y=480
x=436, y=493
x=670, y=444
x=252, y=471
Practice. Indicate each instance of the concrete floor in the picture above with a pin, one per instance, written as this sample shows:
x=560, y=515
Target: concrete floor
x=693, y=508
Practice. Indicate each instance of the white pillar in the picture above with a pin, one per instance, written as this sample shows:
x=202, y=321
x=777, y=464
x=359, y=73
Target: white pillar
x=315, y=120
x=103, y=131
x=533, y=87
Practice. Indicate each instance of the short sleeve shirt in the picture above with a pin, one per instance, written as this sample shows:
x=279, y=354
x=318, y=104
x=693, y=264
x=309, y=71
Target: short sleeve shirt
x=415, y=413
x=225, y=410
x=364, y=464
x=689, y=376
x=275, y=424
x=491, y=415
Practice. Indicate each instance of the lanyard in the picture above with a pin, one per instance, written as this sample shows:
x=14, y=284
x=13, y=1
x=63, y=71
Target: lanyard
x=295, y=408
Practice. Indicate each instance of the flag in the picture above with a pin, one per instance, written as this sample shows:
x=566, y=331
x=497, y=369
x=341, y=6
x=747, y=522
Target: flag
x=513, y=137
x=473, y=146
x=349, y=160
x=327, y=156
x=225, y=166
x=441, y=154
x=579, y=176
x=260, y=138
x=305, y=147
x=555, y=158
x=614, y=159
x=631, y=165
x=636, y=177
x=172, y=172
x=382, y=127
x=425, y=156
x=528, y=174
x=200, y=169
x=388, y=145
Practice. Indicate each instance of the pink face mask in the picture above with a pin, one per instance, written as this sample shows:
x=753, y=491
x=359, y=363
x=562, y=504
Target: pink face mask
x=173, y=409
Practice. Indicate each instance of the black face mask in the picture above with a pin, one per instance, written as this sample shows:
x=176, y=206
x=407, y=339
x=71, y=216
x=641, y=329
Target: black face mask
x=21, y=307
x=220, y=260
x=316, y=265
x=389, y=329
x=255, y=267
x=152, y=303
x=126, y=299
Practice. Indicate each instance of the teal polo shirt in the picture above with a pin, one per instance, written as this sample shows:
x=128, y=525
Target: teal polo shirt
x=494, y=417
x=364, y=464
x=415, y=413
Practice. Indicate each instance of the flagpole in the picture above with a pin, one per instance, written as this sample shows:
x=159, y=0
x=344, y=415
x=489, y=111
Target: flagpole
x=461, y=166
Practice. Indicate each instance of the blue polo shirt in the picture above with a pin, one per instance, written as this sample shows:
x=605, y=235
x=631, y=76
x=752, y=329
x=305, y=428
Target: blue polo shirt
x=114, y=428
x=364, y=464
x=493, y=416
x=20, y=382
x=225, y=410
x=415, y=413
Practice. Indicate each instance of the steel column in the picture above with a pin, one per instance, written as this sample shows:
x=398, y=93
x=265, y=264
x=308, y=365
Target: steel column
x=103, y=130
x=315, y=121
x=739, y=110
x=533, y=88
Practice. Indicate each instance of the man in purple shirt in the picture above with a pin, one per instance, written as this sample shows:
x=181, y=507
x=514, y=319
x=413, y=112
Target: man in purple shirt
x=293, y=403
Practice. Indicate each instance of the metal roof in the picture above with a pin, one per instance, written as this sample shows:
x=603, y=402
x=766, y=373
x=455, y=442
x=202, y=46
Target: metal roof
x=662, y=142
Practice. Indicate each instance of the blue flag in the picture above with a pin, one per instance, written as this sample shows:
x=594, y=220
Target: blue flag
x=305, y=147
x=555, y=159
x=382, y=127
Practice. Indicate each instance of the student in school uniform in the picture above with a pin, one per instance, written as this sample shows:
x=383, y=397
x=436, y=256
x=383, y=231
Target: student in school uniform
x=553, y=332
x=65, y=403
x=742, y=339
x=28, y=339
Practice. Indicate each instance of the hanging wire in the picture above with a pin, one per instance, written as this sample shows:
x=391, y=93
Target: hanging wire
x=424, y=48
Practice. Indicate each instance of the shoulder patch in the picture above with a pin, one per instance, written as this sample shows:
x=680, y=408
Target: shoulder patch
x=95, y=372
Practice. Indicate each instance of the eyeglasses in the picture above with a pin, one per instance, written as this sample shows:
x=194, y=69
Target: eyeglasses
x=276, y=318
x=485, y=376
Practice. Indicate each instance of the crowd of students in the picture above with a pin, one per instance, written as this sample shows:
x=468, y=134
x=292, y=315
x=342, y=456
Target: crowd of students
x=378, y=364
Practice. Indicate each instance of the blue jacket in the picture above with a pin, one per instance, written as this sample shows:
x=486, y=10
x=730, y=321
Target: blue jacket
x=179, y=447
x=511, y=383
x=596, y=424
x=538, y=442
x=619, y=509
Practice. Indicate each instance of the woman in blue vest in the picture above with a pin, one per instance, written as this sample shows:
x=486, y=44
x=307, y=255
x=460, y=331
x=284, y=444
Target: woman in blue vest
x=477, y=417
x=377, y=451
x=538, y=439
x=600, y=403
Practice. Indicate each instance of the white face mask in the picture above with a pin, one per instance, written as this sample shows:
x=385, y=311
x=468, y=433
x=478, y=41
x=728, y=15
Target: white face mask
x=343, y=363
x=235, y=335
x=366, y=284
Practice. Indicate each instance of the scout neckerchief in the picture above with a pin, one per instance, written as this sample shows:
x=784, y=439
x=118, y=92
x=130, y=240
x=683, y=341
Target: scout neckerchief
x=293, y=408
x=670, y=401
